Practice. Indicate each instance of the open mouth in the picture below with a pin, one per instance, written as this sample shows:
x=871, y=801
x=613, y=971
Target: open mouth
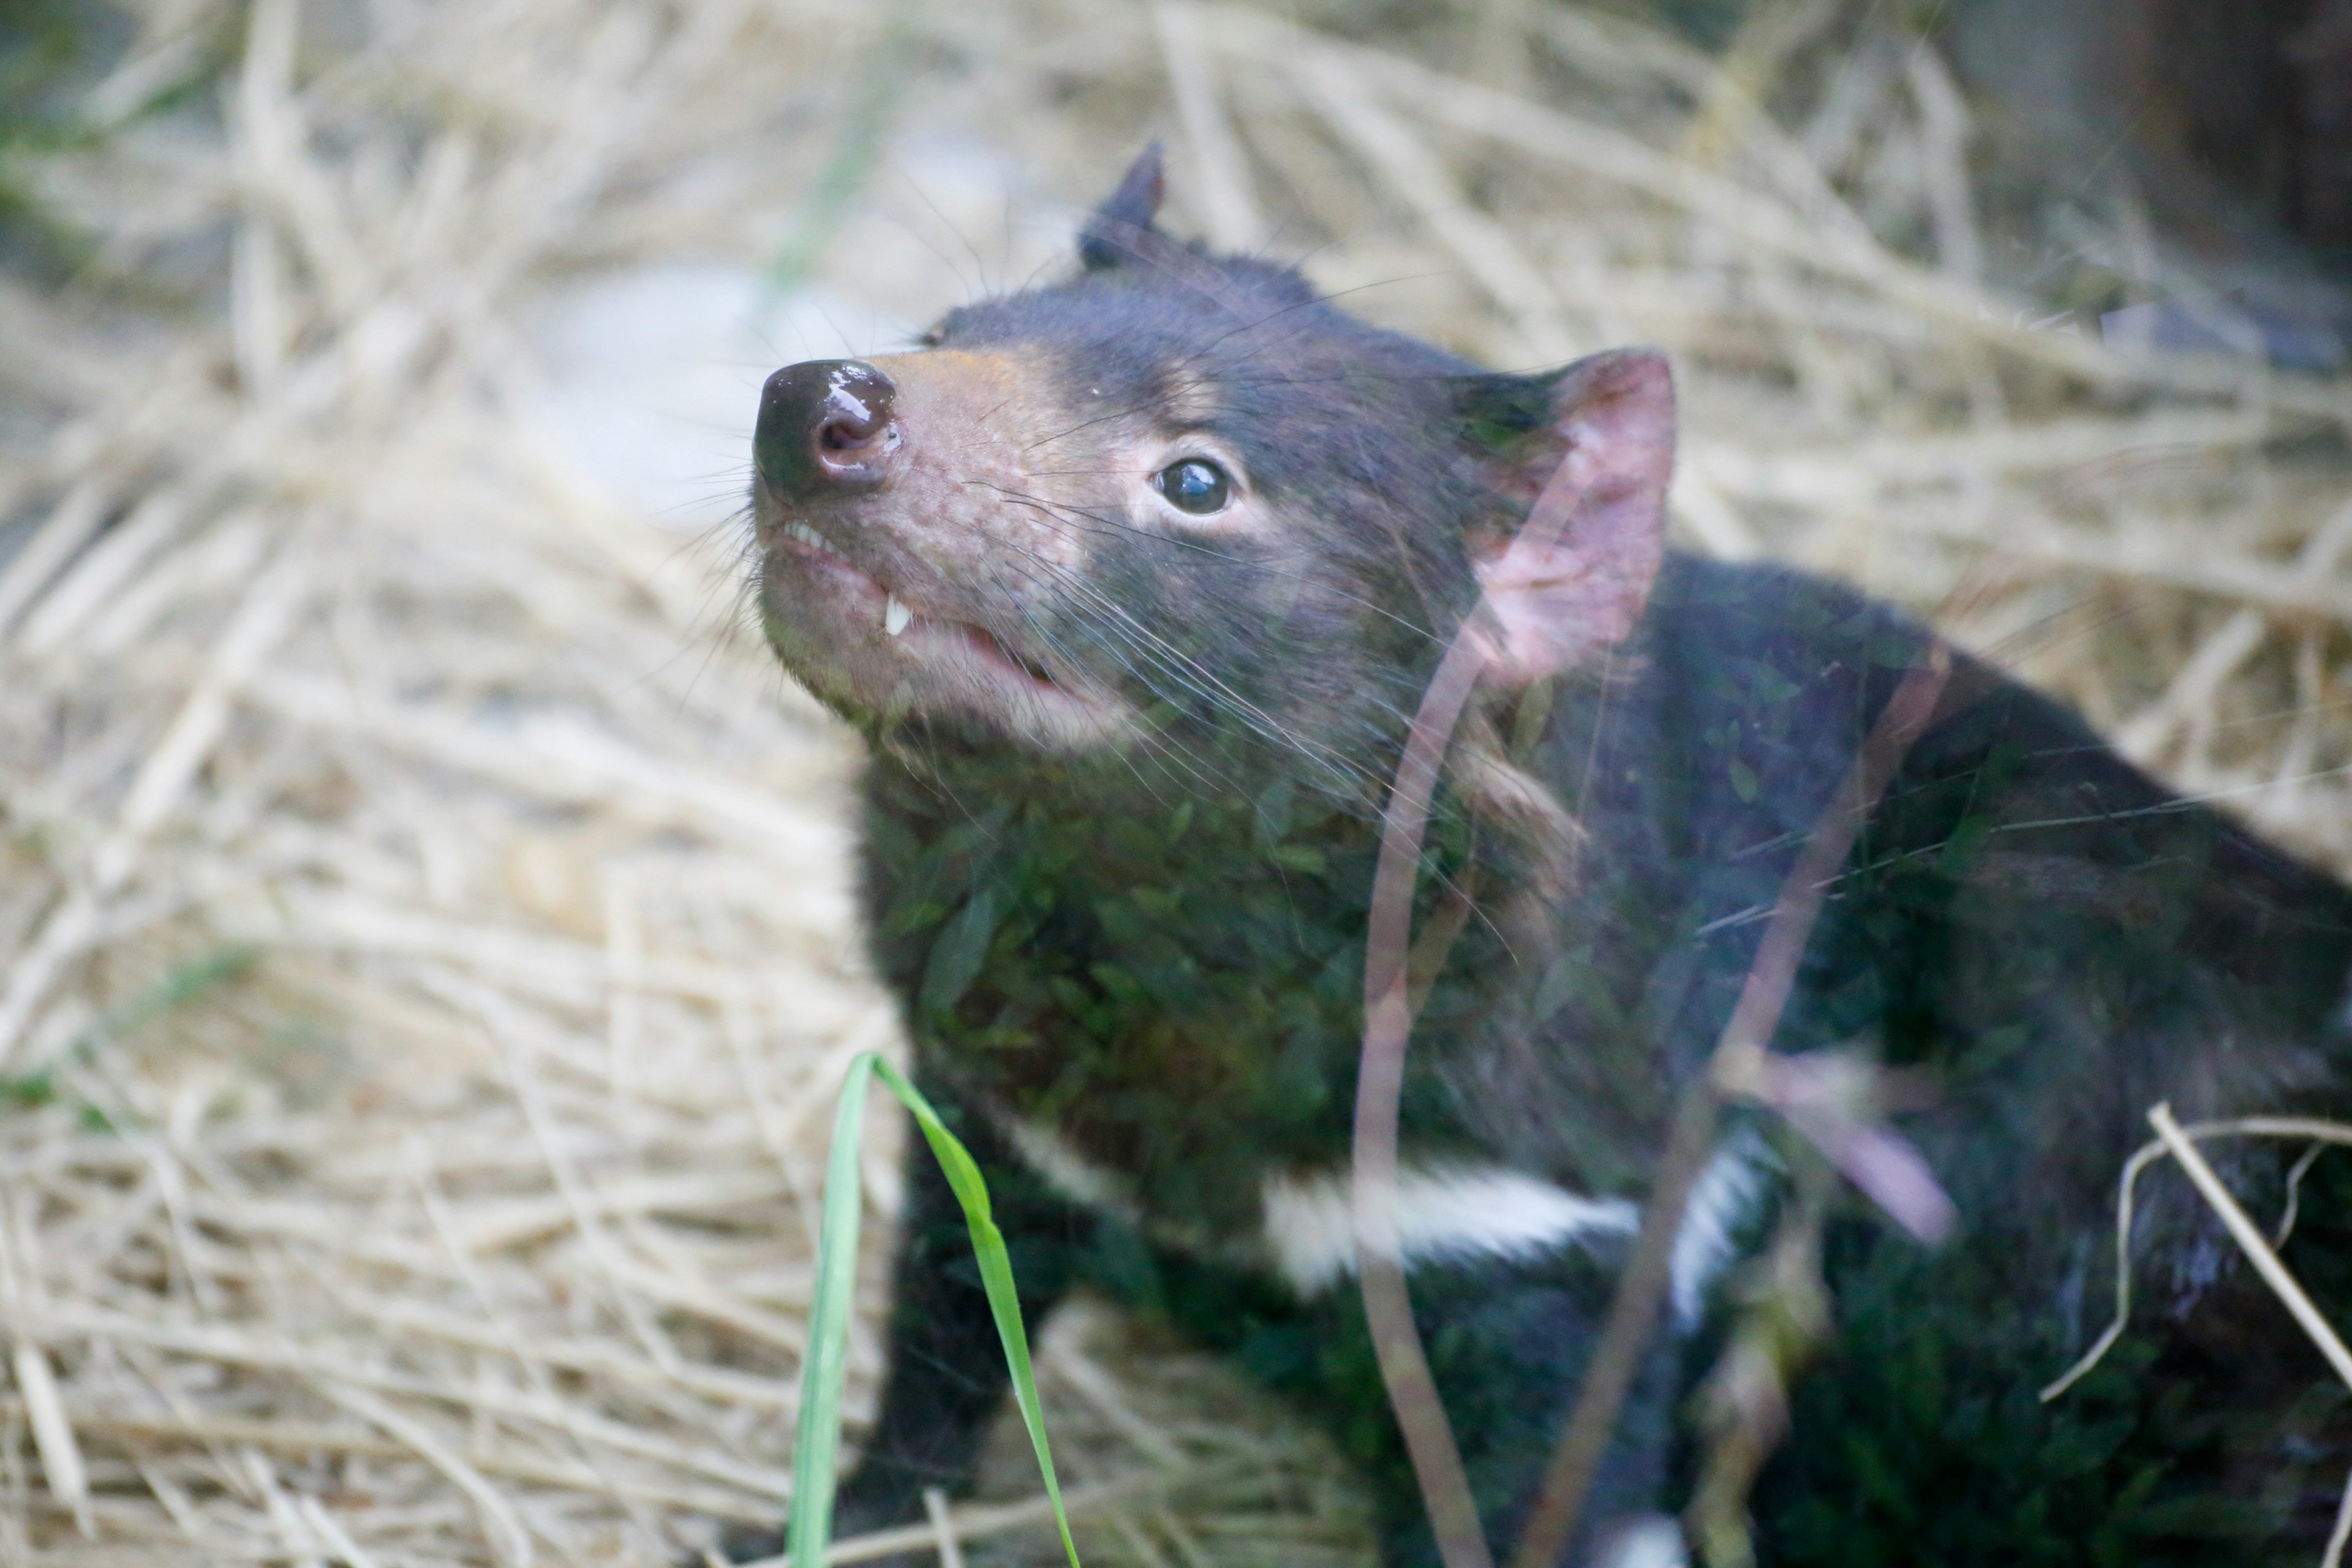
x=925, y=634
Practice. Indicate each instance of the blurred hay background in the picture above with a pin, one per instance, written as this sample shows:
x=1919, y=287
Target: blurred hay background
x=425, y=944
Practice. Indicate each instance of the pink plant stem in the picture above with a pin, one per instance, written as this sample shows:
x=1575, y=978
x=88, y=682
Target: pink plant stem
x=1641, y=1289
x=1421, y=1416
x=1388, y=1026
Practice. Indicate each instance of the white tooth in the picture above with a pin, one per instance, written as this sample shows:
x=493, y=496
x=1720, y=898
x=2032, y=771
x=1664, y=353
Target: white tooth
x=812, y=538
x=895, y=616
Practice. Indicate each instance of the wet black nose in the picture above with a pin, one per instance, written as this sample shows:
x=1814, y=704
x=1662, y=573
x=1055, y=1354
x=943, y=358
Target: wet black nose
x=825, y=423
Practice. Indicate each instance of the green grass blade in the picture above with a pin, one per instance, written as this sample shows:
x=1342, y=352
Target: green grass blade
x=995, y=1277
x=818, y=1453
x=816, y=1456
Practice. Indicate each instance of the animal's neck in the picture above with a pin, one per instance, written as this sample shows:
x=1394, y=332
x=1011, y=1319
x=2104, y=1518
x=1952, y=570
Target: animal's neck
x=1082, y=829
x=1199, y=946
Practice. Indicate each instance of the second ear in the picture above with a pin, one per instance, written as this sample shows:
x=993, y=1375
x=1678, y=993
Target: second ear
x=1606, y=450
x=1110, y=232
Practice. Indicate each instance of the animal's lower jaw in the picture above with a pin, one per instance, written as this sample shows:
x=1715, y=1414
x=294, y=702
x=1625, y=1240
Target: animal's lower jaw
x=835, y=639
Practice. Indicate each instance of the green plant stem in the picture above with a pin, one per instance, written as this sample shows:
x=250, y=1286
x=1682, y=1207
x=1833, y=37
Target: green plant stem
x=815, y=1459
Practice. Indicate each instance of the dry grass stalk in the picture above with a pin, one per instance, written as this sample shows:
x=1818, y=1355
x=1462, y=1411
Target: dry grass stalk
x=2177, y=1143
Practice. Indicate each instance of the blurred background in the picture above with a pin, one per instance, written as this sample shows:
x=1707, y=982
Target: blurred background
x=425, y=957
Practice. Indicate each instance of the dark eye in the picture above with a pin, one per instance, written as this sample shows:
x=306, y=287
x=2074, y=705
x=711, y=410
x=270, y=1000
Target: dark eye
x=1195, y=485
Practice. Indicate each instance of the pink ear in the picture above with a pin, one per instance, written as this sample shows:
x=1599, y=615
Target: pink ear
x=1610, y=443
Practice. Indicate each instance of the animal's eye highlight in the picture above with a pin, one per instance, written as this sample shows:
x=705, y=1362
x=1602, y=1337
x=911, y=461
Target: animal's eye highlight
x=1194, y=485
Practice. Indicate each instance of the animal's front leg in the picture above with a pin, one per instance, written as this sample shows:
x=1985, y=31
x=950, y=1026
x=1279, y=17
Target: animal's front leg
x=945, y=1373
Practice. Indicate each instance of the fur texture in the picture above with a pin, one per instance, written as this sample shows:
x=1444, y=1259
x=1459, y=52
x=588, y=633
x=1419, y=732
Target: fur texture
x=1146, y=934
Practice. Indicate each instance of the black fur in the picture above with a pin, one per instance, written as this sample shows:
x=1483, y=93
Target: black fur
x=1159, y=953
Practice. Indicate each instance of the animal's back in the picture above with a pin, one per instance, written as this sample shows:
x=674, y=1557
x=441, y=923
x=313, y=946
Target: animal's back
x=2057, y=943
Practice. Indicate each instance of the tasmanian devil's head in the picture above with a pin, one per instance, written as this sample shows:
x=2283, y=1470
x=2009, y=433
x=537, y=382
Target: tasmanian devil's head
x=1179, y=503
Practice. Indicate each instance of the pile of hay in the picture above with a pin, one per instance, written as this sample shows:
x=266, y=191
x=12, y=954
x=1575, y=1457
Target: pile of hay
x=425, y=938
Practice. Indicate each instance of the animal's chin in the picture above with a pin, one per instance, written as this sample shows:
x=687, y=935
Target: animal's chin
x=875, y=654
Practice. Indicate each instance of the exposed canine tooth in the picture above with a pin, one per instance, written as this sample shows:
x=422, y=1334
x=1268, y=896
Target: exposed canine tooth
x=895, y=616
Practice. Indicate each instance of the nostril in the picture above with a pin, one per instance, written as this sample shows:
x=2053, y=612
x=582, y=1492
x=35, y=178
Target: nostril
x=856, y=406
x=825, y=423
x=846, y=432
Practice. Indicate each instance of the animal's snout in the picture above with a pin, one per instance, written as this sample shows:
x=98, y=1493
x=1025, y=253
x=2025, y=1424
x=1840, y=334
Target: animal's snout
x=826, y=424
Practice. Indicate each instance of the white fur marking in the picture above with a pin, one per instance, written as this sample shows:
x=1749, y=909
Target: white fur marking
x=1065, y=1170
x=1458, y=1211
x=1652, y=1540
x=1720, y=1200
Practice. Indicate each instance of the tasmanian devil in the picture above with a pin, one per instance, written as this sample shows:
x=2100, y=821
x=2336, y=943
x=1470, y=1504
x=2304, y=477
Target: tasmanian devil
x=1134, y=581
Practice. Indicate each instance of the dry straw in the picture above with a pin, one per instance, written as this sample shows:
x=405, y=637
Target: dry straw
x=426, y=960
